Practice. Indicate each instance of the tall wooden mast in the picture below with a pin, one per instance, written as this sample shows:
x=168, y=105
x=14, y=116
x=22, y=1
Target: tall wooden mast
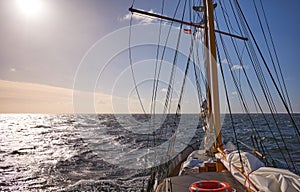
x=214, y=89
x=210, y=60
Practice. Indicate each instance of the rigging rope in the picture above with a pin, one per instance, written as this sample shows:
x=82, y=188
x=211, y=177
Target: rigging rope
x=132, y=70
x=276, y=56
x=171, y=82
x=268, y=48
x=242, y=98
x=277, y=61
x=228, y=103
x=270, y=102
x=158, y=71
x=243, y=101
x=169, y=93
x=257, y=100
x=286, y=100
x=254, y=98
x=156, y=78
x=152, y=108
x=274, y=83
x=268, y=69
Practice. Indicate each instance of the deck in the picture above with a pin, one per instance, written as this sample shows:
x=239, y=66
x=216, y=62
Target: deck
x=182, y=183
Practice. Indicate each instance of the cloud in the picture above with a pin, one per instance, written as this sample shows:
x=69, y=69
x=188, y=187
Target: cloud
x=20, y=97
x=164, y=90
x=236, y=67
x=141, y=19
x=224, y=61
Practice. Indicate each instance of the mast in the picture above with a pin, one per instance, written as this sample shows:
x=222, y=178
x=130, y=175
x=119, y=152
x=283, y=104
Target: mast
x=209, y=131
x=214, y=111
x=210, y=61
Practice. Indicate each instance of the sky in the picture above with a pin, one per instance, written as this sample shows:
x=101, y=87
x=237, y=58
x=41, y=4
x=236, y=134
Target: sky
x=46, y=44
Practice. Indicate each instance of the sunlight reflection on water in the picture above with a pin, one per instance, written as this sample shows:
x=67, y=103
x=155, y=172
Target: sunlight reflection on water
x=48, y=153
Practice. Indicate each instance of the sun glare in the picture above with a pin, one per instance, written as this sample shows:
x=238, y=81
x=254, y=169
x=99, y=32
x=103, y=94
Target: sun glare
x=30, y=8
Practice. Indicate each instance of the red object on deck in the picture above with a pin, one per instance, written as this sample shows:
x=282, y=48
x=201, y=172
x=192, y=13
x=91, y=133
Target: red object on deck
x=210, y=186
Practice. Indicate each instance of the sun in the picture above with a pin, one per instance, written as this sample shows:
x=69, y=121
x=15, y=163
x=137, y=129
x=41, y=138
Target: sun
x=30, y=8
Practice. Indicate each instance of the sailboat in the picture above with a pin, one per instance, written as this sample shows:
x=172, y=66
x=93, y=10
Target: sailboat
x=247, y=162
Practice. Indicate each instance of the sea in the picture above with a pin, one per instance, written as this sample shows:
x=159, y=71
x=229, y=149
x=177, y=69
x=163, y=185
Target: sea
x=104, y=152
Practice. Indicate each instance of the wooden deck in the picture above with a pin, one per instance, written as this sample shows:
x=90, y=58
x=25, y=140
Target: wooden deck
x=182, y=183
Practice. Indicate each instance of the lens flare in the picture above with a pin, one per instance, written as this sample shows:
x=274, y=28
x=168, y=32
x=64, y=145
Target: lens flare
x=30, y=8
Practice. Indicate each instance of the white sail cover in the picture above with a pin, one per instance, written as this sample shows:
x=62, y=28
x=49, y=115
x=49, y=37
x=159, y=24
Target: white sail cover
x=266, y=179
x=273, y=179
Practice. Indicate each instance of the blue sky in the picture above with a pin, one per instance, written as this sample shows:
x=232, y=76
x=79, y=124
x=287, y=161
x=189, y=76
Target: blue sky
x=42, y=47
